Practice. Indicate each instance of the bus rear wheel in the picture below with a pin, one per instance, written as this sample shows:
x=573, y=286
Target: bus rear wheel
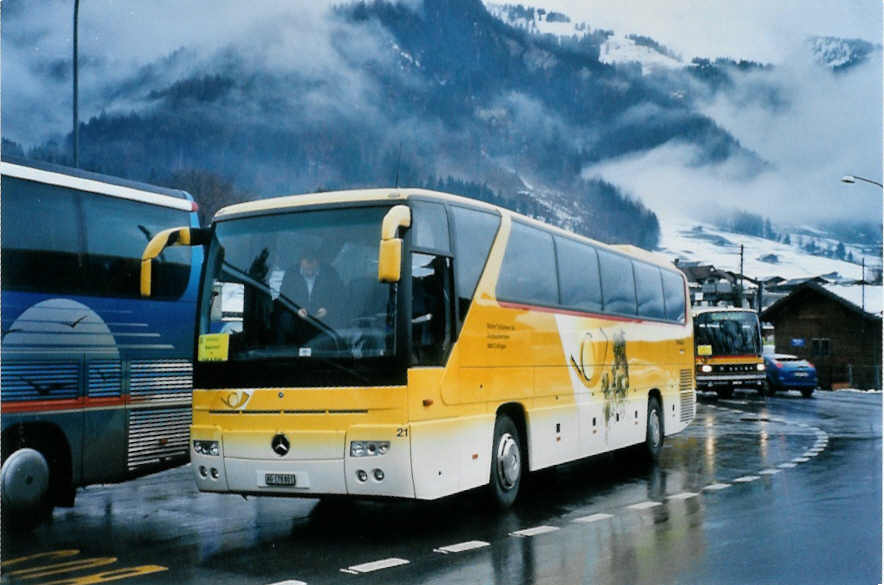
x=507, y=463
x=25, y=483
x=654, y=434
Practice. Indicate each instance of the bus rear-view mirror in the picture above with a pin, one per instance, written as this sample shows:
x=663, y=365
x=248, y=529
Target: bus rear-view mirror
x=390, y=251
x=180, y=236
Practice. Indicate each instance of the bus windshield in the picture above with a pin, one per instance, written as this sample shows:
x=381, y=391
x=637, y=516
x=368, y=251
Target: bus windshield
x=301, y=286
x=728, y=332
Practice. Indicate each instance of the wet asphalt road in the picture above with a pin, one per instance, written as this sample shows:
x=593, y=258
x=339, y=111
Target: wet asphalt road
x=776, y=490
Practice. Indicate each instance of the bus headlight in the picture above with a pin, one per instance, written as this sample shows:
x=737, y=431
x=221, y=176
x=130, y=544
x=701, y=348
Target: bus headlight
x=759, y=367
x=207, y=448
x=706, y=368
x=368, y=448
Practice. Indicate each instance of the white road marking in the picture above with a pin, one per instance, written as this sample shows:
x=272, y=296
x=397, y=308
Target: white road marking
x=462, y=546
x=769, y=471
x=800, y=460
x=717, y=486
x=682, y=496
x=291, y=582
x=534, y=531
x=593, y=518
x=787, y=465
x=644, y=505
x=375, y=565
x=747, y=478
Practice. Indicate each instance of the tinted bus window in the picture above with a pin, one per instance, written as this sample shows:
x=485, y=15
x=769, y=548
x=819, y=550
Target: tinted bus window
x=117, y=230
x=528, y=273
x=429, y=226
x=579, y=275
x=474, y=234
x=649, y=290
x=41, y=248
x=673, y=291
x=618, y=283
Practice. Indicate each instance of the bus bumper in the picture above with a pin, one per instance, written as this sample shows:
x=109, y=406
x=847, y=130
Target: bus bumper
x=311, y=463
x=710, y=383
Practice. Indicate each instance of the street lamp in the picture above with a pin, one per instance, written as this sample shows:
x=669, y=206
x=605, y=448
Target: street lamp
x=853, y=179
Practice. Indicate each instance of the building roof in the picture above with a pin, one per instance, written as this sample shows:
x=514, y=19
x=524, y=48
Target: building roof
x=851, y=296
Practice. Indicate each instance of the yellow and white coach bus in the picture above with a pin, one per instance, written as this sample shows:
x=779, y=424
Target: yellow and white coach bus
x=413, y=344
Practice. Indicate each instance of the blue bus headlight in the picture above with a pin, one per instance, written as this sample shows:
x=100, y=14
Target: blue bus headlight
x=207, y=448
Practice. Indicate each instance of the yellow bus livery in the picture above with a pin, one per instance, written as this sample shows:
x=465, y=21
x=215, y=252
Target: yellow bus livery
x=414, y=344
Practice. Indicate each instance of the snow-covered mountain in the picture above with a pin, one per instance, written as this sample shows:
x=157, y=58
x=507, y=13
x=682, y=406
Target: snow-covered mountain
x=614, y=48
x=634, y=49
x=689, y=240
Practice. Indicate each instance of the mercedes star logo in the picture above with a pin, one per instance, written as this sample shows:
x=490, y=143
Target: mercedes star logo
x=280, y=445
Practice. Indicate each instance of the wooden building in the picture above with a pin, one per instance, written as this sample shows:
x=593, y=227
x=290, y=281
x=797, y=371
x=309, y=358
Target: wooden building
x=835, y=327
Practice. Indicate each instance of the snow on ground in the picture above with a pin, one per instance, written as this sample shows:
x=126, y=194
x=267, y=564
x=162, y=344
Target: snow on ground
x=619, y=49
x=679, y=238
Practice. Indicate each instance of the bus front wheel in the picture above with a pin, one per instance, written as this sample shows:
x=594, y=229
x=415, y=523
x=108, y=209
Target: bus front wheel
x=26, y=497
x=507, y=464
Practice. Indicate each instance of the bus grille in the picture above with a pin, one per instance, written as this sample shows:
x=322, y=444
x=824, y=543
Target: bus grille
x=105, y=379
x=687, y=396
x=39, y=381
x=157, y=434
x=160, y=381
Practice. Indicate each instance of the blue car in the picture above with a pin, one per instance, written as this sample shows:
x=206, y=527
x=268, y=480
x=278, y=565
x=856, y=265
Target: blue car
x=789, y=372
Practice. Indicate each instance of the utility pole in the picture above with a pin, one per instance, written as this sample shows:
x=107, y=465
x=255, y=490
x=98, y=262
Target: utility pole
x=740, y=287
x=76, y=97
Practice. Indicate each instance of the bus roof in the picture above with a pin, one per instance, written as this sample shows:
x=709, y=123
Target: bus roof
x=699, y=310
x=403, y=194
x=79, y=179
x=342, y=197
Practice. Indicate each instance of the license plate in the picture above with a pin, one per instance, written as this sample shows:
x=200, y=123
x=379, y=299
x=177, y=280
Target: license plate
x=800, y=374
x=280, y=479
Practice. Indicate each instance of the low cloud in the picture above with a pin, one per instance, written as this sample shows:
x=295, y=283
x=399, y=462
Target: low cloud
x=826, y=125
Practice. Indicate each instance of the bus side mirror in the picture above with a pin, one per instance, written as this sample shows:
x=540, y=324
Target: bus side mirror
x=180, y=236
x=390, y=251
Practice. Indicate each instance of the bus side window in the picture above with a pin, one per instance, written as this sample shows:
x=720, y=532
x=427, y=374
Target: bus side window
x=474, y=232
x=528, y=272
x=673, y=293
x=618, y=283
x=42, y=248
x=431, y=316
x=649, y=290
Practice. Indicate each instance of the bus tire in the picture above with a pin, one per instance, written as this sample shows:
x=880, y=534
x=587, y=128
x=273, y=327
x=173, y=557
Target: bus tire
x=26, y=489
x=654, y=430
x=767, y=389
x=507, y=462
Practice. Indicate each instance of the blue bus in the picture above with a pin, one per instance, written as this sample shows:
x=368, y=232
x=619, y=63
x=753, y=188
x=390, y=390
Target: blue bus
x=96, y=381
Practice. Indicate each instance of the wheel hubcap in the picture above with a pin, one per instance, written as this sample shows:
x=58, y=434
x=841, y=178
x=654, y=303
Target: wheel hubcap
x=24, y=479
x=654, y=429
x=508, y=461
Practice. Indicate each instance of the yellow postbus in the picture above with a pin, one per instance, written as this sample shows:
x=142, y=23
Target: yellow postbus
x=728, y=350
x=413, y=344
